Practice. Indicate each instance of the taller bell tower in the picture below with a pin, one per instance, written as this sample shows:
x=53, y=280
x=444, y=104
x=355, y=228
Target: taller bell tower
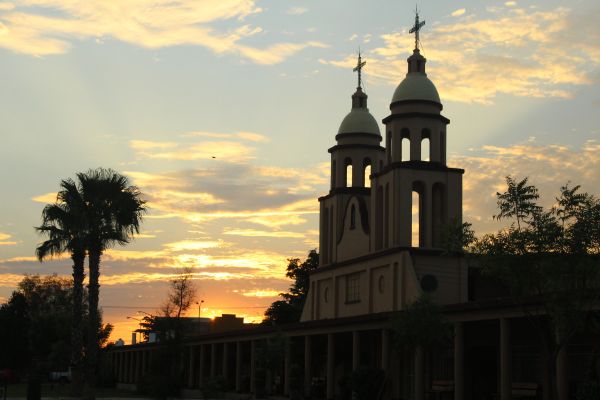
x=415, y=168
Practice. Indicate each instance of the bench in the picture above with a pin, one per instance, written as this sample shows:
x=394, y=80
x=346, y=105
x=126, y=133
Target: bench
x=524, y=389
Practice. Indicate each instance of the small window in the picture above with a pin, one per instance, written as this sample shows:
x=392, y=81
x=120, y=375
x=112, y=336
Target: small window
x=381, y=284
x=326, y=295
x=349, y=175
x=353, y=288
x=352, y=217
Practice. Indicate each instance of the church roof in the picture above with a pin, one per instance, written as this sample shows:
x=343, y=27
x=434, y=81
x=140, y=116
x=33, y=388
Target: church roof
x=416, y=86
x=359, y=120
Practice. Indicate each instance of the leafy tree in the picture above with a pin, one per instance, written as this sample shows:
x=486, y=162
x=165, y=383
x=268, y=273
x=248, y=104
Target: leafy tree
x=549, y=262
x=457, y=237
x=519, y=201
x=35, y=328
x=63, y=225
x=290, y=308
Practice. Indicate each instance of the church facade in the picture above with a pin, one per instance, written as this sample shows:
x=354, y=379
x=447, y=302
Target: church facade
x=382, y=227
x=373, y=258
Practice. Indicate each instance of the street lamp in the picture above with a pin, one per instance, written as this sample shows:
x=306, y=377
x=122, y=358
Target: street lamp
x=199, y=306
x=138, y=330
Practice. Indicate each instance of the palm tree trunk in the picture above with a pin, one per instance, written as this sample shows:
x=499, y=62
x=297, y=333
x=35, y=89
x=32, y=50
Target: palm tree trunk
x=76, y=326
x=94, y=322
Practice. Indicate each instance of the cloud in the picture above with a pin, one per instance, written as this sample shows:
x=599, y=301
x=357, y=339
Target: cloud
x=226, y=151
x=45, y=198
x=45, y=27
x=4, y=240
x=262, y=293
x=296, y=10
x=513, y=51
x=459, y=12
x=249, y=136
x=259, y=233
x=547, y=166
x=186, y=245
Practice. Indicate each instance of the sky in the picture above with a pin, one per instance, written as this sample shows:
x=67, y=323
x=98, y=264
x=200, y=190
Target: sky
x=222, y=111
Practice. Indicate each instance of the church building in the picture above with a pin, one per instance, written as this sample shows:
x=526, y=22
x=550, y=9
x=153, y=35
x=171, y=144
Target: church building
x=382, y=226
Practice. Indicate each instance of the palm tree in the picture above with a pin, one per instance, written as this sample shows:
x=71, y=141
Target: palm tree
x=62, y=224
x=113, y=214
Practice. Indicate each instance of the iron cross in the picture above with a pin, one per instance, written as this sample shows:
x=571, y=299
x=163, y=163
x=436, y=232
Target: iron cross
x=359, y=67
x=415, y=29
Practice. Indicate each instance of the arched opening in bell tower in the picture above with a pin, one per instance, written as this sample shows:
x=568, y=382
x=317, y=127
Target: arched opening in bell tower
x=418, y=215
x=439, y=217
x=348, y=172
x=425, y=145
x=333, y=173
x=349, y=175
x=405, y=149
x=367, y=172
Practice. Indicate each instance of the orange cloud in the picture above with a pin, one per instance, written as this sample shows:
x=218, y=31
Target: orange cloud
x=161, y=23
x=226, y=151
x=513, y=50
x=258, y=233
x=45, y=198
x=547, y=166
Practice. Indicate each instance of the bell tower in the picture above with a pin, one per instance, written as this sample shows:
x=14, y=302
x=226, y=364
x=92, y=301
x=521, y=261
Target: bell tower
x=415, y=178
x=375, y=256
x=345, y=213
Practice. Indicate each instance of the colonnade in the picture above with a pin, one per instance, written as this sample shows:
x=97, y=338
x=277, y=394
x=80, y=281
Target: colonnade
x=236, y=359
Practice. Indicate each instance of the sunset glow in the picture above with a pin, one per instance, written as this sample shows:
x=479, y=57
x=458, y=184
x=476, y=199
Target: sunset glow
x=222, y=111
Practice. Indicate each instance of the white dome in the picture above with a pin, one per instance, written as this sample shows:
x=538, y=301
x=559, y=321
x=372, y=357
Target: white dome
x=416, y=86
x=359, y=120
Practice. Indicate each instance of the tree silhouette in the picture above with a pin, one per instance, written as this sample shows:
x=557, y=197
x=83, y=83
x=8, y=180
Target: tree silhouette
x=62, y=224
x=112, y=215
x=549, y=263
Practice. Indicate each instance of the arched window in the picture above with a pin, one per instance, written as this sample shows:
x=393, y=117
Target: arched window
x=405, y=149
x=425, y=152
x=418, y=215
x=352, y=217
x=348, y=171
x=367, y=172
x=416, y=212
x=425, y=145
x=333, y=172
x=349, y=175
x=439, y=218
x=405, y=145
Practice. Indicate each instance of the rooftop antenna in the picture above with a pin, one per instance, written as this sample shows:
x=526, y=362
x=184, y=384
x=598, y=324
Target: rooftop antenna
x=416, y=28
x=359, y=66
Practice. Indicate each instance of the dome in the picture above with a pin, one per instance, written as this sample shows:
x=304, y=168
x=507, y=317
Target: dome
x=359, y=120
x=416, y=86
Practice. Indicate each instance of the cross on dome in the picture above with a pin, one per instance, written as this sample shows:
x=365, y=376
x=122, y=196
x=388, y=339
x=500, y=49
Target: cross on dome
x=359, y=66
x=416, y=28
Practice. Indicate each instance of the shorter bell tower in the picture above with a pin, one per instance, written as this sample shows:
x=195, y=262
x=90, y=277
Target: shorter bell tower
x=345, y=215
